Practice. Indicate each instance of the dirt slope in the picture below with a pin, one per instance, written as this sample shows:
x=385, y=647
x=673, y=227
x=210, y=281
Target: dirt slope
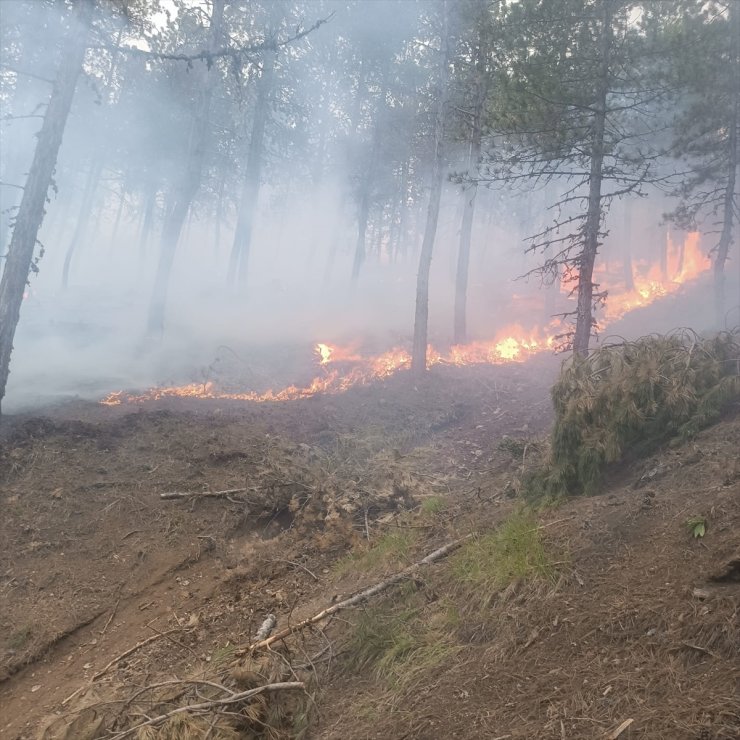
x=93, y=562
x=640, y=623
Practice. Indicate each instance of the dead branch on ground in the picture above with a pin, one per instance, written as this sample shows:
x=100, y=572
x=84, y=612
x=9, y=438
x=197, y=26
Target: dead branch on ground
x=133, y=649
x=200, y=494
x=231, y=699
x=358, y=598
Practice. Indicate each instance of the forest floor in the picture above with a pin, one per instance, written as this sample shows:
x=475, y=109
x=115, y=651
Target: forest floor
x=615, y=622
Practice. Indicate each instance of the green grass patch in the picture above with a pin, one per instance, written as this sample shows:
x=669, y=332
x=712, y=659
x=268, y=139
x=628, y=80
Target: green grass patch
x=492, y=561
x=397, y=648
x=391, y=548
x=19, y=638
x=433, y=505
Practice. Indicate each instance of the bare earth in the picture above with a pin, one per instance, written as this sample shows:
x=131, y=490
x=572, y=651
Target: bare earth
x=93, y=562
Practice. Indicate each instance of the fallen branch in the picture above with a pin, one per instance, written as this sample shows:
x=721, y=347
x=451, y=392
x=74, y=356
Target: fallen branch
x=614, y=734
x=357, y=598
x=110, y=618
x=133, y=649
x=232, y=699
x=201, y=494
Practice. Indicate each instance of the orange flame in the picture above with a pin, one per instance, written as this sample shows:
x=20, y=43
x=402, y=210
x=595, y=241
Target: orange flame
x=345, y=367
x=684, y=262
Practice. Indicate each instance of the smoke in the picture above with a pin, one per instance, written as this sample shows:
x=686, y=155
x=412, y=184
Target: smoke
x=344, y=115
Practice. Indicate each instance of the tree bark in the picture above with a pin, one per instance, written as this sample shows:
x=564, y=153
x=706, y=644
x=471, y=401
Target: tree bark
x=31, y=210
x=587, y=258
x=460, y=333
x=728, y=203
x=219, y=218
x=421, y=316
x=367, y=185
x=239, y=260
x=629, y=275
x=83, y=218
x=119, y=214
x=188, y=184
x=148, y=222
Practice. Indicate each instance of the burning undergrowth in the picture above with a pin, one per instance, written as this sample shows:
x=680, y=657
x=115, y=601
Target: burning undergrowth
x=339, y=366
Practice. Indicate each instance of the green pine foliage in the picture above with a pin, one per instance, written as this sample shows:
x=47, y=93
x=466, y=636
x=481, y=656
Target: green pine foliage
x=627, y=399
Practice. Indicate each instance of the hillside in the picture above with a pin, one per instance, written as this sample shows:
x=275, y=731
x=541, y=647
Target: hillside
x=601, y=617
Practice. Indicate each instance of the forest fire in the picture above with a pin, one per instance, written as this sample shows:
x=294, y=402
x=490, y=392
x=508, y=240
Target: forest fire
x=343, y=367
x=683, y=263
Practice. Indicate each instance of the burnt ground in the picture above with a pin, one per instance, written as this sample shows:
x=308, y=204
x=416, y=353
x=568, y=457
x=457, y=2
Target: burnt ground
x=627, y=624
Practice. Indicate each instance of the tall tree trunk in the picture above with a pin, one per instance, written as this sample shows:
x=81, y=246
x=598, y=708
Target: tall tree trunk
x=728, y=203
x=469, y=193
x=239, y=260
x=587, y=258
x=362, y=219
x=83, y=218
x=148, y=222
x=421, y=316
x=188, y=185
x=363, y=212
x=119, y=213
x=629, y=275
x=664, y=254
x=219, y=218
x=31, y=210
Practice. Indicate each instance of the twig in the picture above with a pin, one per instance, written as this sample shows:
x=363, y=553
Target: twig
x=700, y=649
x=359, y=597
x=110, y=618
x=233, y=699
x=201, y=494
x=550, y=524
x=297, y=565
x=133, y=649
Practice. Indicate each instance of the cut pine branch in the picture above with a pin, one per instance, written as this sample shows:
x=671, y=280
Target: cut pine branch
x=358, y=598
x=203, y=706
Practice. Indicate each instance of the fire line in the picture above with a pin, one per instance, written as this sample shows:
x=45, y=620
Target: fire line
x=344, y=367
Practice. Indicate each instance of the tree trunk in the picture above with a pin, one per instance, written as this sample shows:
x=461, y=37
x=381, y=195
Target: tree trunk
x=364, y=209
x=362, y=218
x=728, y=203
x=629, y=275
x=83, y=219
x=188, y=184
x=148, y=222
x=219, y=218
x=31, y=210
x=119, y=213
x=251, y=188
x=469, y=193
x=664, y=255
x=587, y=258
x=421, y=316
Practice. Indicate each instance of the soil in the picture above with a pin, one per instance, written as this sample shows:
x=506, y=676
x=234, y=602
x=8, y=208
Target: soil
x=94, y=562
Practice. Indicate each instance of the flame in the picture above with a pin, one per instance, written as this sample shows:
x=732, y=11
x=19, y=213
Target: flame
x=343, y=367
x=683, y=263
